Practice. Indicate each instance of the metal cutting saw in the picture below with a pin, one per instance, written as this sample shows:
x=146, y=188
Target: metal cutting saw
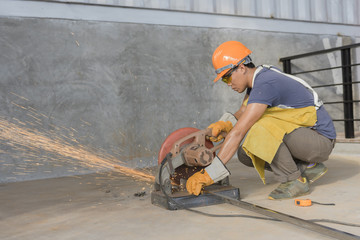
x=187, y=151
x=183, y=153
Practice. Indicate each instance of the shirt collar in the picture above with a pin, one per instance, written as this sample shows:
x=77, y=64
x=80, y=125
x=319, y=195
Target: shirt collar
x=258, y=69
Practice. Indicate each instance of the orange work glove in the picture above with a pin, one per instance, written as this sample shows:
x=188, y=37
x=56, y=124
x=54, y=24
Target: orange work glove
x=217, y=128
x=197, y=181
x=215, y=172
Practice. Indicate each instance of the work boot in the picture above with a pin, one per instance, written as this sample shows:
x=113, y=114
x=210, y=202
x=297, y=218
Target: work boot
x=314, y=172
x=290, y=189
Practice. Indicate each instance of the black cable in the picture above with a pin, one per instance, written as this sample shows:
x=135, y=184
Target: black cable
x=328, y=204
x=181, y=206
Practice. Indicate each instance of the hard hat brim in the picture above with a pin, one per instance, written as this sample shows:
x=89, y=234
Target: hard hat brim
x=220, y=75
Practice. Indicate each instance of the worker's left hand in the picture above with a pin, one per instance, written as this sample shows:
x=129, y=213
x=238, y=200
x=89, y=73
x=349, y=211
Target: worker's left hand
x=197, y=181
x=219, y=127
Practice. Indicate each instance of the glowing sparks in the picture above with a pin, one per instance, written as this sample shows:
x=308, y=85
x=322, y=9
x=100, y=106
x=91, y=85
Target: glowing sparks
x=25, y=139
x=21, y=97
x=38, y=147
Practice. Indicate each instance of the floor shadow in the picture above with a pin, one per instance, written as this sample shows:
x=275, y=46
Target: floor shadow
x=340, y=169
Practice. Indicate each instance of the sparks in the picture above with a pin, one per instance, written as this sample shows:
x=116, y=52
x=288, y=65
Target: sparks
x=32, y=139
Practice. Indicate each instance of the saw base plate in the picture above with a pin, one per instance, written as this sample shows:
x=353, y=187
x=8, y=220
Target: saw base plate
x=185, y=200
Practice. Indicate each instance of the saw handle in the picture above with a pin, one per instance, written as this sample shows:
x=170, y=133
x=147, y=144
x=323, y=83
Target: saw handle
x=199, y=138
x=217, y=147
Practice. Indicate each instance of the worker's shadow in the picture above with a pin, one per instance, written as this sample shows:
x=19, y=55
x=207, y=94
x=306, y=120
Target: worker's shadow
x=339, y=169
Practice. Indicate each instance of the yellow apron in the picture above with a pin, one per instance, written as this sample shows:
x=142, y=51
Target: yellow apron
x=266, y=135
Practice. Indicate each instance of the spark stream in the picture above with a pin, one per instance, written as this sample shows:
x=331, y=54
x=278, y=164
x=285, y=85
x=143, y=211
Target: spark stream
x=13, y=134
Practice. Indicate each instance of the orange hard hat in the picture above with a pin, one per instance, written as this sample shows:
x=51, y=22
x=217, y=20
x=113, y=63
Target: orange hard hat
x=229, y=55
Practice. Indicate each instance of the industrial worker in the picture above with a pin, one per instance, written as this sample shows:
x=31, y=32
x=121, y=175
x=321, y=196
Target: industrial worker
x=281, y=126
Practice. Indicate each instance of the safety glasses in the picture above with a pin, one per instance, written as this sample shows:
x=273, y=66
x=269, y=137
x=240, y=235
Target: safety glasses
x=227, y=77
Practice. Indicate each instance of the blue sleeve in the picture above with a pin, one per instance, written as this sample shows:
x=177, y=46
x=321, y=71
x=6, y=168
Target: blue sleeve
x=264, y=93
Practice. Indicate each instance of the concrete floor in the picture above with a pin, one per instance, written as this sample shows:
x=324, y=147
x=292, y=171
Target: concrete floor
x=103, y=206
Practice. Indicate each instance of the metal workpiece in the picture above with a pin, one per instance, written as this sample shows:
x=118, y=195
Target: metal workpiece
x=331, y=232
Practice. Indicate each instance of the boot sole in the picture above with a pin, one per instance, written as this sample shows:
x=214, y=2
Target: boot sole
x=271, y=198
x=318, y=176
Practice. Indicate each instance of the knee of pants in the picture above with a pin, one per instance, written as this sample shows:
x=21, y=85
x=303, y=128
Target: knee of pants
x=244, y=158
x=317, y=159
x=321, y=154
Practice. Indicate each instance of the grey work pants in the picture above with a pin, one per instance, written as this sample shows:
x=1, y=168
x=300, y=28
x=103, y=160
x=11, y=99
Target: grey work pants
x=299, y=148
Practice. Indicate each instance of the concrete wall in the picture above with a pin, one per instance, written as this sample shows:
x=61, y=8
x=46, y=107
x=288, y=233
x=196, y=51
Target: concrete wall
x=115, y=90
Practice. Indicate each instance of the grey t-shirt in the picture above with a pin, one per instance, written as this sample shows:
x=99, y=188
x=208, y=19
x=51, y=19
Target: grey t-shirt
x=277, y=90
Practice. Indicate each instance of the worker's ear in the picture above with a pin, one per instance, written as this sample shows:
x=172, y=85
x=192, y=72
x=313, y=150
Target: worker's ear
x=241, y=68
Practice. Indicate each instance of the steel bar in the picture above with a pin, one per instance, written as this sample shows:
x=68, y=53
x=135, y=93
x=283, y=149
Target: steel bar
x=335, y=84
x=348, y=95
x=319, y=52
x=336, y=102
x=287, y=66
x=324, y=69
x=328, y=231
x=341, y=120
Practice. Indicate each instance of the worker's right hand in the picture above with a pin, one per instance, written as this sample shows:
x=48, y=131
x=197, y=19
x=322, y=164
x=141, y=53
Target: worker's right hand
x=214, y=172
x=197, y=181
x=219, y=127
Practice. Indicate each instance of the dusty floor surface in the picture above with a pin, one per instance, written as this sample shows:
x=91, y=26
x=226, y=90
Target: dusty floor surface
x=103, y=206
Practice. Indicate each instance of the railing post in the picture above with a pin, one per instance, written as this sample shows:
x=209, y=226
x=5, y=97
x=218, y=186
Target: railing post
x=287, y=66
x=347, y=93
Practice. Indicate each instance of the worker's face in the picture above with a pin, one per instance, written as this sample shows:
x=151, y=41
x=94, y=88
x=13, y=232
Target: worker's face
x=238, y=81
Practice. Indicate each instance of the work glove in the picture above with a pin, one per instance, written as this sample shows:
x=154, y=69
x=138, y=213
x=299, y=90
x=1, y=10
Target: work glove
x=224, y=125
x=215, y=172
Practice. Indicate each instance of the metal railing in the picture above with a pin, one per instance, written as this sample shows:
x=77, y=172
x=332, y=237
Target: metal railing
x=347, y=82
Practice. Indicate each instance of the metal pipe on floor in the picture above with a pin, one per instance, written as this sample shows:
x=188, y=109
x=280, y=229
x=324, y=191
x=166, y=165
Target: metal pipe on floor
x=328, y=231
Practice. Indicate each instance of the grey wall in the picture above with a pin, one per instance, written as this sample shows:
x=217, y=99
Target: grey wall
x=116, y=88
